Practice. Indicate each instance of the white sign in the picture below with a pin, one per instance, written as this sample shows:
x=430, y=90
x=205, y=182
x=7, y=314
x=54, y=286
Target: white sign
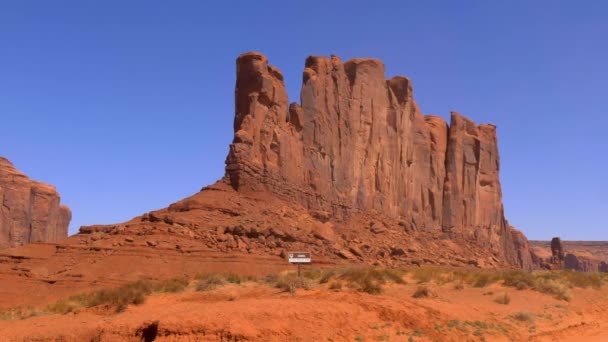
x=299, y=257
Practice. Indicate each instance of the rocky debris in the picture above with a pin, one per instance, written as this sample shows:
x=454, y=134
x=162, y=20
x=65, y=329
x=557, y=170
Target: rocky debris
x=30, y=211
x=358, y=142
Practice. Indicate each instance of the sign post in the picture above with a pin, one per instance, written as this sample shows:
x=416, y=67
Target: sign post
x=299, y=258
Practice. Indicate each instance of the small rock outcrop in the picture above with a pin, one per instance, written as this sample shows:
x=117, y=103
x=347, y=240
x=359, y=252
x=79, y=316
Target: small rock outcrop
x=358, y=142
x=30, y=211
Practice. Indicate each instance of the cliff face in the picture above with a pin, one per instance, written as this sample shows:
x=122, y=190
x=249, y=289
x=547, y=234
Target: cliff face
x=359, y=142
x=30, y=210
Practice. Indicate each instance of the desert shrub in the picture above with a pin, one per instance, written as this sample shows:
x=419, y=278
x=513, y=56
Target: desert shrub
x=65, y=306
x=327, y=275
x=132, y=293
x=504, y=299
x=313, y=273
x=523, y=316
x=427, y=274
x=423, y=292
x=173, y=285
x=288, y=282
x=459, y=286
x=335, y=286
x=370, y=279
x=583, y=279
x=208, y=282
x=519, y=279
x=371, y=286
x=21, y=312
x=475, y=278
x=553, y=287
x=483, y=279
x=233, y=278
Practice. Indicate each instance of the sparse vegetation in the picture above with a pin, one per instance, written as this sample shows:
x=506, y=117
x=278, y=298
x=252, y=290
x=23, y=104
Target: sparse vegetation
x=289, y=282
x=423, y=292
x=523, y=316
x=208, y=282
x=366, y=279
x=133, y=293
x=553, y=287
x=335, y=286
x=21, y=313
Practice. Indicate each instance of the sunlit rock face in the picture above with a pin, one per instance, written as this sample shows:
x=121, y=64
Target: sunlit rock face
x=30, y=211
x=359, y=142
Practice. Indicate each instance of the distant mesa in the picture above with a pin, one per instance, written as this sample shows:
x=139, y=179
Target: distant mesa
x=30, y=210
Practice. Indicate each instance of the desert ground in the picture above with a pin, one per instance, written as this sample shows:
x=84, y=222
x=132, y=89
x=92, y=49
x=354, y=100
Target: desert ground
x=339, y=303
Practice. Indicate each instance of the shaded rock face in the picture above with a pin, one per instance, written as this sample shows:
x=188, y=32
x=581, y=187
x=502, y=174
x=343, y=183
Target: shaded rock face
x=359, y=142
x=557, y=250
x=581, y=264
x=30, y=211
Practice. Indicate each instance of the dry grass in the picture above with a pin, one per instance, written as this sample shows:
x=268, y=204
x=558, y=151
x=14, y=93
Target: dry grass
x=558, y=289
x=361, y=278
x=21, y=313
x=423, y=292
x=289, y=282
x=336, y=286
x=133, y=293
x=523, y=316
x=208, y=282
x=555, y=283
x=211, y=281
x=370, y=279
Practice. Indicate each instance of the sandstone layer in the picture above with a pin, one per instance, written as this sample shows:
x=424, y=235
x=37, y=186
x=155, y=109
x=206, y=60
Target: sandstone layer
x=30, y=210
x=358, y=142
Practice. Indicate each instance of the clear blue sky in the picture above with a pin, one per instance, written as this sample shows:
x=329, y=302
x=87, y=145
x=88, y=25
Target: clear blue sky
x=127, y=106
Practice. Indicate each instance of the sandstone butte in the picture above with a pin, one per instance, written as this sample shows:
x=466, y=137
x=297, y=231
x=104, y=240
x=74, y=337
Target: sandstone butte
x=358, y=142
x=355, y=173
x=30, y=210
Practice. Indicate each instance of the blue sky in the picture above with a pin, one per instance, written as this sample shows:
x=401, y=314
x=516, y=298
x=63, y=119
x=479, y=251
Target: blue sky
x=127, y=106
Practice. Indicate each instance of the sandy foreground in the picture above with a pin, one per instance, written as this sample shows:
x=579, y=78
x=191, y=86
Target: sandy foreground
x=256, y=312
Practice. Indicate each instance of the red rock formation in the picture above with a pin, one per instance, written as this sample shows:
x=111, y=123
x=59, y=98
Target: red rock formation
x=359, y=142
x=557, y=250
x=30, y=210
